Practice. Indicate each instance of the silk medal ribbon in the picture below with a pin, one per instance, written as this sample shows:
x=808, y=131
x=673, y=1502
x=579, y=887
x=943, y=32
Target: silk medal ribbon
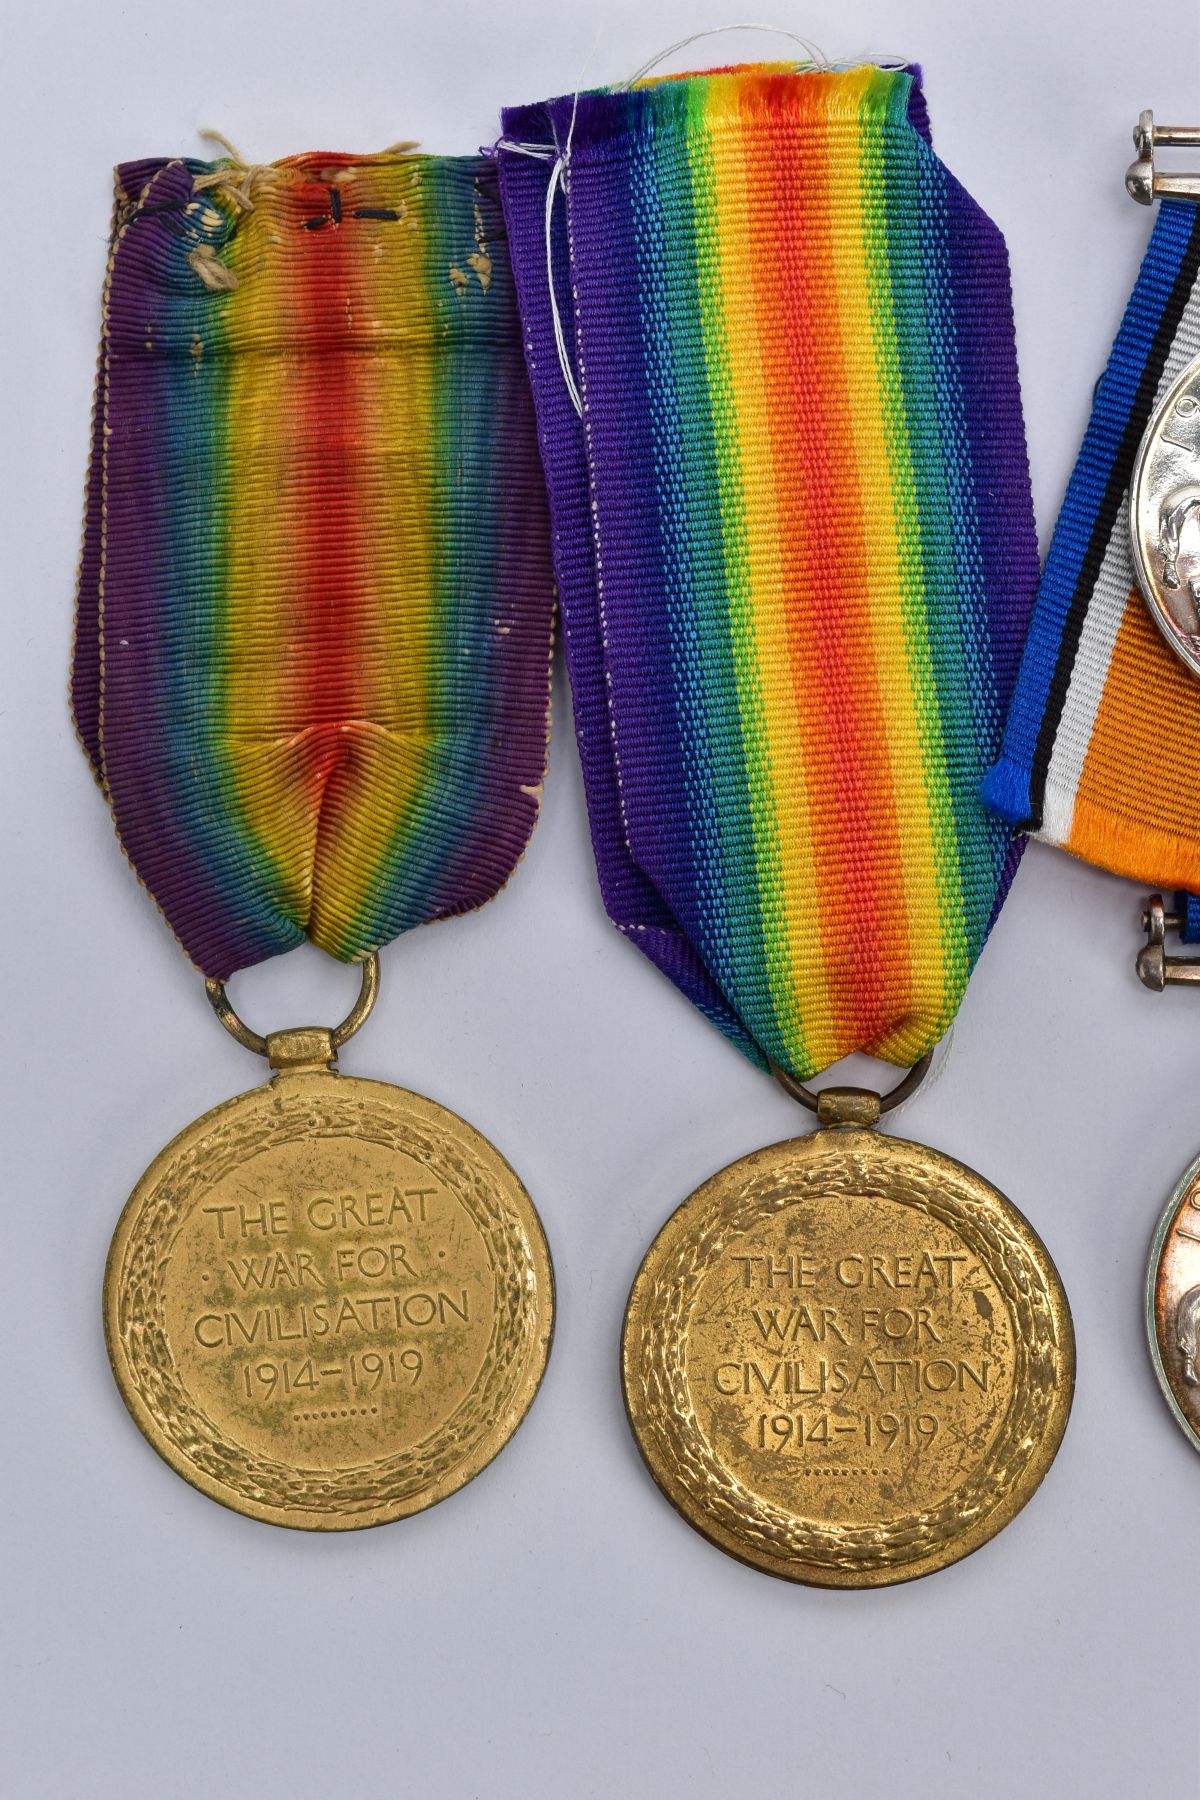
x=314, y=618
x=793, y=538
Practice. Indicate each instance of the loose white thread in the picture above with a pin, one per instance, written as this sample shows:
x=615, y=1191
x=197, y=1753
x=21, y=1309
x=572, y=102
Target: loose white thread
x=236, y=183
x=941, y=1056
x=814, y=57
x=558, y=176
x=544, y=153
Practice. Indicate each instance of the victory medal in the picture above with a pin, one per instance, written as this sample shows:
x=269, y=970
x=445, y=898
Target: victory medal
x=796, y=553
x=847, y=1359
x=311, y=675
x=328, y=1302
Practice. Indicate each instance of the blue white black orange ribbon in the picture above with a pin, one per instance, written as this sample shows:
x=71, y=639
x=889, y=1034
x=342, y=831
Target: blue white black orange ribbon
x=1102, y=748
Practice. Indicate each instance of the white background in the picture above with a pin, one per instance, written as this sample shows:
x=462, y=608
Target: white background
x=554, y=1629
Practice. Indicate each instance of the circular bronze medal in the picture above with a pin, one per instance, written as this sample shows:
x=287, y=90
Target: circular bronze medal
x=1164, y=516
x=1173, y=1303
x=848, y=1360
x=328, y=1302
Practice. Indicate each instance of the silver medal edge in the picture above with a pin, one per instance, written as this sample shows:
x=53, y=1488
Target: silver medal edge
x=1142, y=574
x=1159, y=1239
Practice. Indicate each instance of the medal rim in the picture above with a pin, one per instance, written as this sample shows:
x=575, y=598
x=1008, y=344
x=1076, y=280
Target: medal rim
x=1145, y=581
x=501, y=1430
x=964, y=1543
x=1158, y=1244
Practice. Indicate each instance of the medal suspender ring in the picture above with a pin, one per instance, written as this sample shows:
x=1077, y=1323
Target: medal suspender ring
x=368, y=993
x=853, y=1105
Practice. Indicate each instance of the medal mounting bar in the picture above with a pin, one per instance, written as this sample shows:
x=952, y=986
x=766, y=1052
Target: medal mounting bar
x=1145, y=183
x=1155, y=968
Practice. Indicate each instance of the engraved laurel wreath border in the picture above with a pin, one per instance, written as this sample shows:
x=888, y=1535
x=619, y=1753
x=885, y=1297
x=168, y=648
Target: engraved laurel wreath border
x=248, y=1130
x=990, y=1227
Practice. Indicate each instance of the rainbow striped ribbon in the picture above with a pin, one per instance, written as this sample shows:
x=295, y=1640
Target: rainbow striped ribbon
x=793, y=535
x=1102, y=749
x=315, y=601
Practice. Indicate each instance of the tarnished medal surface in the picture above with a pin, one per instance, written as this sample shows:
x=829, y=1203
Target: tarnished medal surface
x=848, y=1360
x=1164, y=516
x=1173, y=1303
x=328, y=1302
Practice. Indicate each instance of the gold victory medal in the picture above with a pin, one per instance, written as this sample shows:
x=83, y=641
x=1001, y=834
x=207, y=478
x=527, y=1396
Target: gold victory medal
x=329, y=1301
x=848, y=1360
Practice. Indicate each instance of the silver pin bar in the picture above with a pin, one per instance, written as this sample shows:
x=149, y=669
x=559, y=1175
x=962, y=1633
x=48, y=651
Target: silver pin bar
x=1155, y=968
x=1143, y=182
